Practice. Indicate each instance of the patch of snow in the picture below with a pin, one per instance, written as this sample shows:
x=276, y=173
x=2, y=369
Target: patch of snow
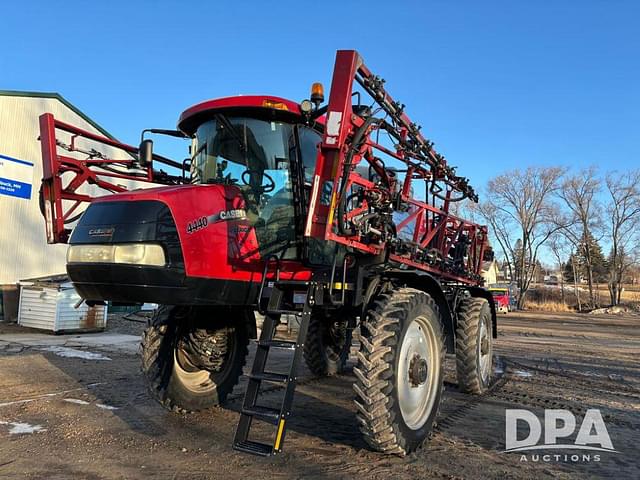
x=46, y=395
x=74, y=353
x=17, y=402
x=76, y=401
x=18, y=428
x=523, y=373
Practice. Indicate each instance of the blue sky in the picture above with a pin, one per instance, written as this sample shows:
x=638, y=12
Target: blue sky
x=496, y=85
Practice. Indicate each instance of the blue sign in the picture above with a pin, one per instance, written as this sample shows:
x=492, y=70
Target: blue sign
x=16, y=177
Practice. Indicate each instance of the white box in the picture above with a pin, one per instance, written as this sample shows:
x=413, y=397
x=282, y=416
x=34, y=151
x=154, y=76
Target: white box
x=49, y=304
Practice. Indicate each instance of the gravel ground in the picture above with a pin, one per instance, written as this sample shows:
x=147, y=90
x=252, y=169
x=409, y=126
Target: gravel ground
x=128, y=324
x=66, y=417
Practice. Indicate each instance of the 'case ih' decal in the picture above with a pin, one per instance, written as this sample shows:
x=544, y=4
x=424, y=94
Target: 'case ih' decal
x=101, y=232
x=237, y=214
x=202, y=222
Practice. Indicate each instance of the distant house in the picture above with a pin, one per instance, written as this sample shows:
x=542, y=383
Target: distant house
x=504, y=274
x=490, y=272
x=552, y=279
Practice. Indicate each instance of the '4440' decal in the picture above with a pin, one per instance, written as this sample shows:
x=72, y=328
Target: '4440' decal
x=225, y=216
x=197, y=224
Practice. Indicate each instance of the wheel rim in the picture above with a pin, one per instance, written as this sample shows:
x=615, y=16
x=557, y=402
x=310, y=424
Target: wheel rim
x=335, y=338
x=191, y=377
x=418, y=371
x=484, y=351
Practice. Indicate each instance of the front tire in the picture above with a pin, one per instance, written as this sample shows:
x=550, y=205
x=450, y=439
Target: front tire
x=400, y=371
x=192, y=357
x=474, y=345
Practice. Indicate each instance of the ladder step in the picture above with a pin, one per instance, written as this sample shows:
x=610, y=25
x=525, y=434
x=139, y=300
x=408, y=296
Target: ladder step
x=266, y=414
x=255, y=448
x=291, y=283
x=278, y=344
x=251, y=409
x=270, y=377
x=285, y=312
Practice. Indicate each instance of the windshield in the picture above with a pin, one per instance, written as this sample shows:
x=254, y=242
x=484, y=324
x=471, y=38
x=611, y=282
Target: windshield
x=253, y=155
x=227, y=148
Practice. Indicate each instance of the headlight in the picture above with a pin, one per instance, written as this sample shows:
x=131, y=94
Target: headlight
x=139, y=254
x=90, y=253
x=130, y=253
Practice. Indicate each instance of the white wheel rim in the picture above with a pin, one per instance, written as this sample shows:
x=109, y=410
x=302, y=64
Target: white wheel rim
x=484, y=351
x=196, y=381
x=417, y=401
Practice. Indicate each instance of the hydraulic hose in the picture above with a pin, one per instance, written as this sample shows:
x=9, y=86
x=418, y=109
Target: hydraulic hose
x=355, y=147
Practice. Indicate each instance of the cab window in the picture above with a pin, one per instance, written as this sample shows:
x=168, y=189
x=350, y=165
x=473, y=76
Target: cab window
x=309, y=140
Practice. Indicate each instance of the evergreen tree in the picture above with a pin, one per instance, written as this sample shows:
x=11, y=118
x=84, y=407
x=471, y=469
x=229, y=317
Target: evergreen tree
x=567, y=271
x=569, y=265
x=599, y=264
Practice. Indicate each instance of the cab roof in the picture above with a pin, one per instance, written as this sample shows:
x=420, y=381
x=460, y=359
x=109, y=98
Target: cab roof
x=281, y=107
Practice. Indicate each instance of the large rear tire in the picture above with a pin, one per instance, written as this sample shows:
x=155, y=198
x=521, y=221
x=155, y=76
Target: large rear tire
x=192, y=357
x=326, y=348
x=474, y=345
x=400, y=371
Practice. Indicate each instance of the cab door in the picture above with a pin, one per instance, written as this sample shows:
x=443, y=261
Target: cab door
x=316, y=251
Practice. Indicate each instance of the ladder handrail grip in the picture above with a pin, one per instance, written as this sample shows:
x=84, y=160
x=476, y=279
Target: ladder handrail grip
x=265, y=271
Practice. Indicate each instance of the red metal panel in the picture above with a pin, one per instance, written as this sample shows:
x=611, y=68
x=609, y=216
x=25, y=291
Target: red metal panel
x=238, y=101
x=52, y=183
x=223, y=250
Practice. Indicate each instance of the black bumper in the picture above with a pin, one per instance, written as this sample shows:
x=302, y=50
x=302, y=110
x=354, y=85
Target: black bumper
x=140, y=284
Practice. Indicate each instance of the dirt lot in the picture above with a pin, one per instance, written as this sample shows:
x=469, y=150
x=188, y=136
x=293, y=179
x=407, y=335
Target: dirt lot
x=92, y=418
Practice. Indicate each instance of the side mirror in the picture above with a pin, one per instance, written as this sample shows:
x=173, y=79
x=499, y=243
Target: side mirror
x=145, y=154
x=186, y=167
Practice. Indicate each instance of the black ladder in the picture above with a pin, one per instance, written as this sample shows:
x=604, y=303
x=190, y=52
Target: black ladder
x=281, y=301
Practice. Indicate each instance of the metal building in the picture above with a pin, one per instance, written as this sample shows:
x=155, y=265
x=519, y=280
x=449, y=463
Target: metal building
x=24, y=252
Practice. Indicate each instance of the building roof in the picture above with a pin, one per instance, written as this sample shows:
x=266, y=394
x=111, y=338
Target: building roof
x=60, y=98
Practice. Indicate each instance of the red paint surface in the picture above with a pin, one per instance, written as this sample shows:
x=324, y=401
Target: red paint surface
x=222, y=250
x=250, y=101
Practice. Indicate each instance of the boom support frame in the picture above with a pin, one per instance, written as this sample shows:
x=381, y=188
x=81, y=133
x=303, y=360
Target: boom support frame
x=359, y=212
x=61, y=198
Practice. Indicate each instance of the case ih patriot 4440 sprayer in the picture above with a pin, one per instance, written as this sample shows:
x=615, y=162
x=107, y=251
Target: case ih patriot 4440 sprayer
x=338, y=214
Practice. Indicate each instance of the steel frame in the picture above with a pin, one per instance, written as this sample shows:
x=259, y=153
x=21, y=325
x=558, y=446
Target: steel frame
x=90, y=170
x=435, y=231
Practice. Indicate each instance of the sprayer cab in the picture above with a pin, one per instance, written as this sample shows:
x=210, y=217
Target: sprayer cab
x=204, y=239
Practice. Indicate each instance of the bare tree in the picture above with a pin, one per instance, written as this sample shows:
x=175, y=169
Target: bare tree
x=500, y=227
x=519, y=210
x=578, y=194
x=561, y=249
x=623, y=210
x=576, y=277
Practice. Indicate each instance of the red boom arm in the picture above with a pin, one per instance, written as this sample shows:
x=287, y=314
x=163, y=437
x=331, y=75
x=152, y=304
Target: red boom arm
x=60, y=196
x=358, y=212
